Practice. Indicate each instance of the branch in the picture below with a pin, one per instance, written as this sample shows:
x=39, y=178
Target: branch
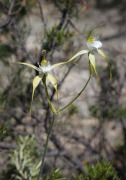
x=8, y=18
x=41, y=14
x=23, y=44
x=74, y=160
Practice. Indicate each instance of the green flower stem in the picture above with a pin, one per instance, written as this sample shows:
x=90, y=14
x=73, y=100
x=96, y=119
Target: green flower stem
x=52, y=123
x=45, y=150
x=77, y=95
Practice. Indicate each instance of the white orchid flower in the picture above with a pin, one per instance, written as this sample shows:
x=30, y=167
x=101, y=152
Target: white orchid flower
x=93, y=45
x=44, y=72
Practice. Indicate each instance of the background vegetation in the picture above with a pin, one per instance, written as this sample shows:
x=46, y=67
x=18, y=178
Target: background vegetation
x=88, y=141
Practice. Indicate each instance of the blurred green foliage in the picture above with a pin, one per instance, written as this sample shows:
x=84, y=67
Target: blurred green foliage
x=108, y=104
x=113, y=112
x=73, y=109
x=120, y=161
x=21, y=7
x=100, y=171
x=3, y=131
x=70, y=6
x=55, y=175
x=24, y=165
x=55, y=37
x=24, y=162
x=5, y=51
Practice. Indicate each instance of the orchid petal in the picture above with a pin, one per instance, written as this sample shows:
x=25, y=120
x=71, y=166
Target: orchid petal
x=92, y=61
x=90, y=66
x=46, y=90
x=92, y=45
x=54, y=83
x=104, y=56
x=36, y=82
x=76, y=55
x=30, y=65
x=89, y=35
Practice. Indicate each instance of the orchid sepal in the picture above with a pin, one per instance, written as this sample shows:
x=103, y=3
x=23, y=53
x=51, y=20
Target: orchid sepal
x=104, y=56
x=53, y=81
x=26, y=64
x=46, y=90
x=89, y=35
x=36, y=82
x=93, y=64
x=75, y=56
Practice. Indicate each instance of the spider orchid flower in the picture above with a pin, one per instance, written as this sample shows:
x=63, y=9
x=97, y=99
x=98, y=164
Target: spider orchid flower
x=44, y=72
x=93, y=45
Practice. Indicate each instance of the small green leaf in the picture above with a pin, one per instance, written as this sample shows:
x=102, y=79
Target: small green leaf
x=36, y=82
x=104, y=56
x=76, y=55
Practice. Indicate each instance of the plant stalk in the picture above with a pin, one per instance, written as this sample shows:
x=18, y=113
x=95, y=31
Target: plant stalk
x=52, y=123
x=45, y=150
x=77, y=95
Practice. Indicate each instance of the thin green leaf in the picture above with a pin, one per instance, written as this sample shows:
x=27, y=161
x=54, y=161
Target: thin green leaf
x=89, y=35
x=36, y=82
x=26, y=64
x=54, y=83
x=104, y=56
x=92, y=61
x=76, y=55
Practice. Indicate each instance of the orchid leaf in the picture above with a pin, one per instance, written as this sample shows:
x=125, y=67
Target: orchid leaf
x=36, y=82
x=54, y=83
x=89, y=35
x=26, y=64
x=76, y=55
x=92, y=61
x=46, y=90
x=104, y=56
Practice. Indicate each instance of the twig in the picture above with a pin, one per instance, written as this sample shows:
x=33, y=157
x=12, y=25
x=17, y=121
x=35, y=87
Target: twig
x=73, y=26
x=41, y=14
x=67, y=155
x=8, y=18
x=22, y=43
